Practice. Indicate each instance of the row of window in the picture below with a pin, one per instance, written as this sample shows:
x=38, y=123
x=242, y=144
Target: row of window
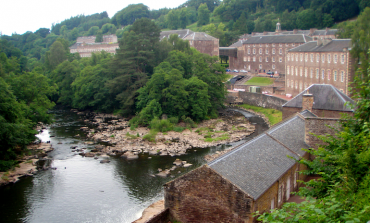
x=273, y=45
x=260, y=59
x=295, y=70
x=327, y=57
x=266, y=51
x=302, y=85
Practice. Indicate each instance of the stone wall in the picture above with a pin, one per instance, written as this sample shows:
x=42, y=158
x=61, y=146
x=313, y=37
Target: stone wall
x=262, y=100
x=202, y=195
x=289, y=111
x=162, y=217
x=319, y=126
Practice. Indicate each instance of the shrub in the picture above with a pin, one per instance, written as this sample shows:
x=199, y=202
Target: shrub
x=174, y=120
x=178, y=129
x=151, y=135
x=163, y=125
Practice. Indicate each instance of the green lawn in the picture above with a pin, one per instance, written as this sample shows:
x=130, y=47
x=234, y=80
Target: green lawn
x=260, y=81
x=273, y=115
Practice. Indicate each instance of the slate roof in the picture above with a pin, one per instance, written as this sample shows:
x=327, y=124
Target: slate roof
x=199, y=36
x=324, y=32
x=291, y=133
x=237, y=44
x=278, y=39
x=181, y=33
x=307, y=114
x=325, y=96
x=335, y=45
x=256, y=165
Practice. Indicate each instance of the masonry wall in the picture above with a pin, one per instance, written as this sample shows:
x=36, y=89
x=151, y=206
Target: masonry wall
x=85, y=50
x=210, y=47
x=319, y=126
x=262, y=100
x=202, y=195
x=303, y=69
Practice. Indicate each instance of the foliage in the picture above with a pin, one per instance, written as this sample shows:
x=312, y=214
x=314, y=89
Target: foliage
x=151, y=135
x=342, y=194
x=130, y=14
x=203, y=15
x=274, y=116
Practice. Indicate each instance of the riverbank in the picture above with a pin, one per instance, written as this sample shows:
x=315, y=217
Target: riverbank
x=27, y=165
x=122, y=141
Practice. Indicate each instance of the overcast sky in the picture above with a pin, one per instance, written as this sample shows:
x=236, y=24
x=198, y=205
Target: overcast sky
x=20, y=16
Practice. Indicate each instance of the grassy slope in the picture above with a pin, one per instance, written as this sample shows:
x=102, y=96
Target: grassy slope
x=273, y=115
x=260, y=81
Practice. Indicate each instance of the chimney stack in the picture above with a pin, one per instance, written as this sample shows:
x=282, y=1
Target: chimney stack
x=307, y=101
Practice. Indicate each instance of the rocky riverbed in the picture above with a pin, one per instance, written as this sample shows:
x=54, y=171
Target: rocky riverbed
x=123, y=141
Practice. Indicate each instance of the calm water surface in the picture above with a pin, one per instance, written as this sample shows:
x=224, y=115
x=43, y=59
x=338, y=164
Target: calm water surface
x=82, y=189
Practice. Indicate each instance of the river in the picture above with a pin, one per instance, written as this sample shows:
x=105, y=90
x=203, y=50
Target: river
x=81, y=189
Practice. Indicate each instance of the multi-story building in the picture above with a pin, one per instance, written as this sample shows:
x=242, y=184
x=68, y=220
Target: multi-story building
x=266, y=53
x=319, y=62
x=201, y=41
x=86, y=45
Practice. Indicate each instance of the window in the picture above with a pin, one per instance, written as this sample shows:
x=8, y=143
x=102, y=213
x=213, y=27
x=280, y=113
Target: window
x=305, y=72
x=342, y=60
x=342, y=76
x=287, y=83
x=260, y=66
x=280, y=44
x=260, y=59
x=335, y=58
x=296, y=84
x=249, y=67
x=280, y=51
x=288, y=57
x=267, y=51
x=317, y=73
x=245, y=59
x=249, y=59
x=329, y=72
x=311, y=73
x=249, y=50
x=293, y=44
x=335, y=75
x=273, y=51
x=280, y=59
x=273, y=59
x=272, y=203
x=254, y=51
x=273, y=66
x=280, y=192
x=288, y=188
x=292, y=84
x=267, y=59
x=287, y=70
x=300, y=72
x=301, y=56
x=260, y=45
x=296, y=170
x=260, y=51
x=254, y=59
x=267, y=45
x=273, y=45
x=311, y=57
x=296, y=71
x=323, y=58
x=300, y=86
x=292, y=70
x=286, y=45
x=296, y=57
x=306, y=57
x=305, y=85
x=254, y=45
x=323, y=74
x=317, y=57
x=329, y=58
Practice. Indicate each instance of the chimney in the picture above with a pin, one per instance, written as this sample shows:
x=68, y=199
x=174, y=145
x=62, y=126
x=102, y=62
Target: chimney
x=264, y=33
x=307, y=101
x=319, y=41
x=295, y=31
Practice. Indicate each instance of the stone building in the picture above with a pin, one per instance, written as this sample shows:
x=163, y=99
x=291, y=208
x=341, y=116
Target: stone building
x=256, y=176
x=86, y=45
x=201, y=41
x=319, y=62
x=265, y=53
x=323, y=100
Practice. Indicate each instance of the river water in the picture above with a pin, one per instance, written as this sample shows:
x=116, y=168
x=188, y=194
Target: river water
x=81, y=189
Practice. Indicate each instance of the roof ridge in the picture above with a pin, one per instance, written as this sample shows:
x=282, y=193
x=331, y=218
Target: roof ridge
x=286, y=147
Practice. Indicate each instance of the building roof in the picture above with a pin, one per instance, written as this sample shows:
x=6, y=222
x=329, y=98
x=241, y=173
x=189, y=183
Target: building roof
x=335, y=45
x=237, y=44
x=181, y=33
x=325, y=32
x=307, y=114
x=199, y=36
x=325, y=96
x=256, y=165
x=299, y=38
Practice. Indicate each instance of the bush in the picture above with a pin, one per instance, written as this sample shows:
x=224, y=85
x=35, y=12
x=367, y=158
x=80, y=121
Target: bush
x=190, y=123
x=6, y=165
x=178, y=129
x=163, y=125
x=151, y=135
x=174, y=120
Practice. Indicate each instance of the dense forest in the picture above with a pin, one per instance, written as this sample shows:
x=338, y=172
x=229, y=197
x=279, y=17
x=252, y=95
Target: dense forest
x=147, y=79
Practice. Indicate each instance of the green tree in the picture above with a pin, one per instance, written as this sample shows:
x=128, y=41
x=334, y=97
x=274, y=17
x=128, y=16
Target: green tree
x=130, y=14
x=57, y=54
x=99, y=37
x=93, y=30
x=241, y=24
x=203, y=15
x=173, y=21
x=306, y=19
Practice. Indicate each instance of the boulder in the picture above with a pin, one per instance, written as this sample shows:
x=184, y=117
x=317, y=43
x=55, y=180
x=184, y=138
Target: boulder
x=178, y=162
x=187, y=165
x=164, y=173
x=105, y=161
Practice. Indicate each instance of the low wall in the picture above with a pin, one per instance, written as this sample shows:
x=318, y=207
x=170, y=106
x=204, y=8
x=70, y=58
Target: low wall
x=162, y=217
x=262, y=100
